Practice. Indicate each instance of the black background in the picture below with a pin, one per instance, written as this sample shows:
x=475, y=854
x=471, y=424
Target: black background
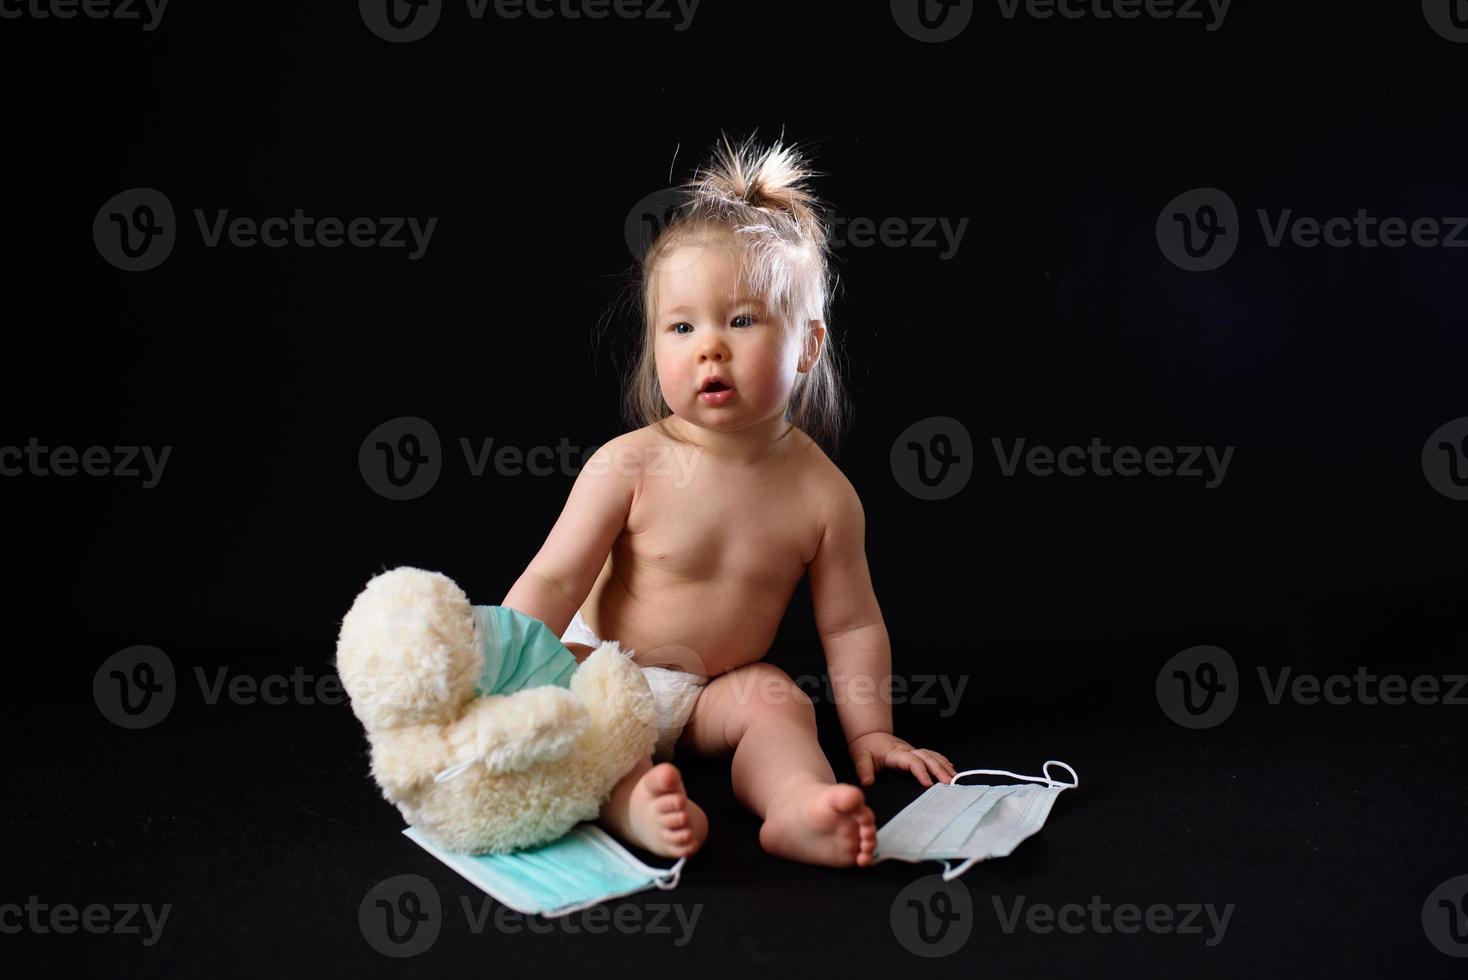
x=1057, y=320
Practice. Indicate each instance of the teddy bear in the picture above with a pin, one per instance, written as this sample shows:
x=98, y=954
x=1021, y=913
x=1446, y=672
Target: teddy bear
x=470, y=751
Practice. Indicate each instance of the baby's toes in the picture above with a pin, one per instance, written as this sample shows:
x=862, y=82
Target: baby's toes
x=664, y=779
x=670, y=803
x=846, y=799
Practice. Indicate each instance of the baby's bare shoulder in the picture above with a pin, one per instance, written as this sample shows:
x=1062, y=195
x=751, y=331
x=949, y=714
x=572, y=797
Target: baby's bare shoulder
x=631, y=451
x=831, y=492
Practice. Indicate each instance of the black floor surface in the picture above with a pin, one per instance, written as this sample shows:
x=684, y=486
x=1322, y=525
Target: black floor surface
x=1318, y=831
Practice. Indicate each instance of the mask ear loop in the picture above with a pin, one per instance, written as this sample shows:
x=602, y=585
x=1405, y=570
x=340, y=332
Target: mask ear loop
x=444, y=775
x=1047, y=779
x=950, y=873
x=669, y=879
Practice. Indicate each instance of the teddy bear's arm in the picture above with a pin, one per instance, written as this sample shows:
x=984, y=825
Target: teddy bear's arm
x=505, y=734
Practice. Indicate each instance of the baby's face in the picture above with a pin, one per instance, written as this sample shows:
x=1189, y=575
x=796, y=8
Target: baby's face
x=704, y=326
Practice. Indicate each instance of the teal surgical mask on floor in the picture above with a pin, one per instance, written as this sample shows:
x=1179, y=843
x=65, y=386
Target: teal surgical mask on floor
x=972, y=822
x=584, y=868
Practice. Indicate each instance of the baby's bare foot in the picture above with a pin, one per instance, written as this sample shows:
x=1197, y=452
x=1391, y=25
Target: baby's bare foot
x=660, y=816
x=821, y=823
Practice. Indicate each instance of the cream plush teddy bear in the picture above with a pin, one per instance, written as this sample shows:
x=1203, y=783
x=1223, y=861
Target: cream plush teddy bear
x=493, y=773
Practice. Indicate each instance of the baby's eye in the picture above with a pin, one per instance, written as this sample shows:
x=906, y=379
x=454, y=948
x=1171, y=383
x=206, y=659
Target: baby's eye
x=744, y=316
x=675, y=327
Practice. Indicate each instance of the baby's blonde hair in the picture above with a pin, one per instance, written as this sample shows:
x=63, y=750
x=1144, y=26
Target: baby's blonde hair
x=760, y=197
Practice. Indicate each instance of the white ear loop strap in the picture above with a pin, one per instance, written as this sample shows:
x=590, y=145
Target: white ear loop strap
x=446, y=774
x=950, y=873
x=1046, y=779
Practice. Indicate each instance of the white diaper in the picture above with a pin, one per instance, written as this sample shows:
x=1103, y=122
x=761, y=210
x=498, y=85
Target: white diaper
x=673, y=691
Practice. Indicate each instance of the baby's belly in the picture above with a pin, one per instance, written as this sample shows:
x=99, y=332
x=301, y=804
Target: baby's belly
x=702, y=628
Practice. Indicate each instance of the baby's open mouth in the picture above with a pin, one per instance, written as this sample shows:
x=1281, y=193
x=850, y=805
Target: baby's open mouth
x=715, y=386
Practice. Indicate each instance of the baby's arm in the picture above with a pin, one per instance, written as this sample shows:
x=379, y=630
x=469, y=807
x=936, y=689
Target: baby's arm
x=561, y=574
x=858, y=652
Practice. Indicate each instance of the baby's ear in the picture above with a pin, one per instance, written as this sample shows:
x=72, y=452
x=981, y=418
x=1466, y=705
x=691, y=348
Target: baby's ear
x=815, y=338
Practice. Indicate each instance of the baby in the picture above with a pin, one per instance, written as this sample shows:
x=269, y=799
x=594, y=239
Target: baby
x=685, y=539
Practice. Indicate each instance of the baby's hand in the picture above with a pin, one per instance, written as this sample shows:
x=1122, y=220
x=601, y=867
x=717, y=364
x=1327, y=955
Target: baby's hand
x=882, y=749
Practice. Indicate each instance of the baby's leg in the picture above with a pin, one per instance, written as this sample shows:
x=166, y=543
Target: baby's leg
x=649, y=808
x=779, y=771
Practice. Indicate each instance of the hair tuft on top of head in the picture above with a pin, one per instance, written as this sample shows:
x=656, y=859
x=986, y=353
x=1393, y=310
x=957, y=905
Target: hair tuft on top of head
x=746, y=175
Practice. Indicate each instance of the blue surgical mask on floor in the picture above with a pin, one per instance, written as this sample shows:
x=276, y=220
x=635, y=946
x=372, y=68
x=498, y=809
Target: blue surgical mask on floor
x=973, y=821
x=584, y=868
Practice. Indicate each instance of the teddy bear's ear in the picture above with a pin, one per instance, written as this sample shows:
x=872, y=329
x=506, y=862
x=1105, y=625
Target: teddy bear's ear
x=410, y=650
